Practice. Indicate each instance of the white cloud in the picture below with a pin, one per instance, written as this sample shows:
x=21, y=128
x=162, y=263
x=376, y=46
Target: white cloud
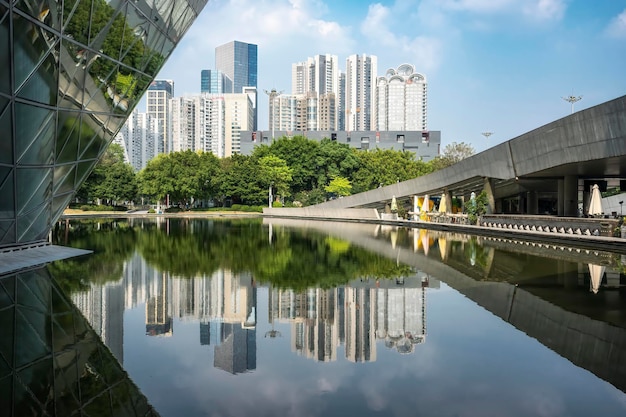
x=395, y=48
x=545, y=9
x=533, y=9
x=285, y=31
x=617, y=26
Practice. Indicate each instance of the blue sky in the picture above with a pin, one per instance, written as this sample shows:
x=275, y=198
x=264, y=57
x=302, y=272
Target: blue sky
x=492, y=65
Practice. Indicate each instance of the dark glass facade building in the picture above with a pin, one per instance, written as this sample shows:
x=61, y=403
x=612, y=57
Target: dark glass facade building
x=71, y=73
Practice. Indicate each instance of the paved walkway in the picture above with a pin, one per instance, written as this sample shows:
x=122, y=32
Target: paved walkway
x=33, y=256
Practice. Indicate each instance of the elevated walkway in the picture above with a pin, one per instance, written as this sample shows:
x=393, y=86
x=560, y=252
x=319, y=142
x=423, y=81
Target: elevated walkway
x=552, y=158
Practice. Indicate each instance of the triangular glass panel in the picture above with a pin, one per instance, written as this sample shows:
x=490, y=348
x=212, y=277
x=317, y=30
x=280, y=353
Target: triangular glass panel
x=35, y=127
x=7, y=205
x=68, y=137
x=35, y=188
x=5, y=373
x=6, y=144
x=35, y=43
x=66, y=374
x=100, y=405
x=33, y=292
x=38, y=378
x=110, y=367
x=124, y=399
x=42, y=85
x=60, y=304
x=7, y=341
x=7, y=232
x=32, y=225
x=41, y=11
x=101, y=15
x=83, y=169
x=63, y=335
x=71, y=77
x=5, y=52
x=27, y=335
x=64, y=176
x=59, y=204
x=7, y=295
x=76, y=19
x=93, y=148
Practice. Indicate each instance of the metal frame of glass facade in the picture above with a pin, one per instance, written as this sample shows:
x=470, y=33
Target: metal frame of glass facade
x=72, y=71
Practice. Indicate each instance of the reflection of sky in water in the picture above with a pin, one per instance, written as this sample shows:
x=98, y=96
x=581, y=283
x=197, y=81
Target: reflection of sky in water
x=472, y=364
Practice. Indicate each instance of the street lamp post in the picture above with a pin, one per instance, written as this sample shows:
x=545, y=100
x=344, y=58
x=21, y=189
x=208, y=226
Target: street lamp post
x=572, y=100
x=272, y=95
x=487, y=134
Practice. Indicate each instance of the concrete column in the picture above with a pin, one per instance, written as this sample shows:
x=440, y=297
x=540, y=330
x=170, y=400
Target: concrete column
x=489, y=189
x=416, y=208
x=532, y=202
x=561, y=198
x=570, y=196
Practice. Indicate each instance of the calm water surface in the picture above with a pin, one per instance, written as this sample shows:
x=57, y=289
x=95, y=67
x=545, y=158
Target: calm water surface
x=190, y=317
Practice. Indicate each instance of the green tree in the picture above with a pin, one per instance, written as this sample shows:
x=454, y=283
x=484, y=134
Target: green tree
x=274, y=172
x=238, y=179
x=340, y=186
x=383, y=167
x=452, y=153
x=111, y=179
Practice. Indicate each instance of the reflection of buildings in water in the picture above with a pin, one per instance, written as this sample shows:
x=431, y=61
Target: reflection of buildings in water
x=103, y=307
x=354, y=315
x=224, y=303
x=158, y=312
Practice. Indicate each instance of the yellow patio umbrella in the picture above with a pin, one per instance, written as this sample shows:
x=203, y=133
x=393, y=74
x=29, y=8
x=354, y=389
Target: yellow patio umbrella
x=443, y=203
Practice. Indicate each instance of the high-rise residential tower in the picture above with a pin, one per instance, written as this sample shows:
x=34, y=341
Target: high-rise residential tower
x=401, y=100
x=317, y=79
x=158, y=107
x=360, y=92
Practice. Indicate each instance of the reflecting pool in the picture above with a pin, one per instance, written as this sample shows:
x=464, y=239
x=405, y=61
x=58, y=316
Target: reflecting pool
x=267, y=317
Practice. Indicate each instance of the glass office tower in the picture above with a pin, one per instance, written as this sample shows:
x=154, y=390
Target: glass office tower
x=72, y=71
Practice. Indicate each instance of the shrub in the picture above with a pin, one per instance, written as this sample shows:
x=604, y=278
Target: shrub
x=151, y=211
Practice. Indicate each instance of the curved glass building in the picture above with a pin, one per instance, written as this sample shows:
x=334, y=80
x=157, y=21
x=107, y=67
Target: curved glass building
x=71, y=73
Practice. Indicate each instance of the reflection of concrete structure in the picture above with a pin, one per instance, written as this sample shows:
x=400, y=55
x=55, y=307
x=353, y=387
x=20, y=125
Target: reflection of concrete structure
x=53, y=360
x=65, y=91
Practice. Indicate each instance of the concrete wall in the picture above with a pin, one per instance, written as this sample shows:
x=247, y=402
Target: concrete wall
x=306, y=212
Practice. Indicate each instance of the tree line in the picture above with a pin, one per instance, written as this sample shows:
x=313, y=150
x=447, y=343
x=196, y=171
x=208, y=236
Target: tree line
x=295, y=171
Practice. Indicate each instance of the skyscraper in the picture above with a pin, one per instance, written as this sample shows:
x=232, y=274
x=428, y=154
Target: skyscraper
x=158, y=107
x=360, y=92
x=238, y=61
x=402, y=100
x=317, y=79
x=68, y=82
x=215, y=82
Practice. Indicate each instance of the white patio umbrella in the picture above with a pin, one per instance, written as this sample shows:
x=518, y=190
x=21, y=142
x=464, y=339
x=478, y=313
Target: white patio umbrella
x=596, y=272
x=595, y=205
x=443, y=203
x=394, y=204
x=426, y=204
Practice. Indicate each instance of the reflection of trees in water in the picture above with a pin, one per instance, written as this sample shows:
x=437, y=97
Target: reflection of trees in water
x=193, y=247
